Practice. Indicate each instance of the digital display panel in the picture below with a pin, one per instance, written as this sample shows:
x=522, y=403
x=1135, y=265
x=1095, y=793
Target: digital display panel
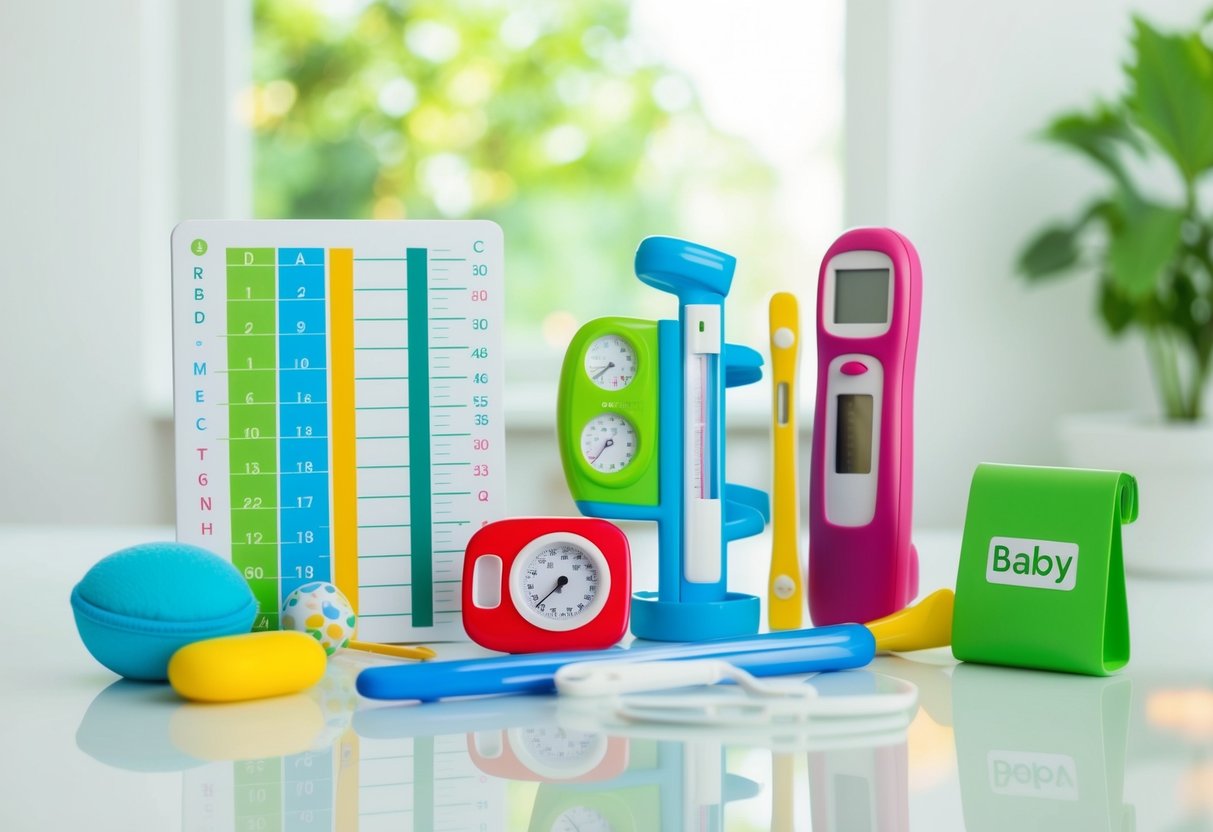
x=861, y=296
x=853, y=437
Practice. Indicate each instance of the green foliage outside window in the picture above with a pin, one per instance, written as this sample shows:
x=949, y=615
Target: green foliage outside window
x=544, y=116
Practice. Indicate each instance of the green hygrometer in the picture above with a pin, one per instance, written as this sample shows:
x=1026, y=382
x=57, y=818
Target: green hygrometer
x=607, y=416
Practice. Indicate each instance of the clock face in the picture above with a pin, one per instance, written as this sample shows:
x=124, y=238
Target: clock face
x=561, y=747
x=610, y=362
x=581, y=819
x=561, y=581
x=608, y=443
x=556, y=753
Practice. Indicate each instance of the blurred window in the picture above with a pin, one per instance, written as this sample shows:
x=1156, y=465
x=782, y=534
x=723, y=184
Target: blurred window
x=580, y=127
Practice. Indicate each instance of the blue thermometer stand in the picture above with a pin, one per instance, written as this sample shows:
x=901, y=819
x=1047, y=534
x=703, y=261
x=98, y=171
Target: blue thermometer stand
x=697, y=512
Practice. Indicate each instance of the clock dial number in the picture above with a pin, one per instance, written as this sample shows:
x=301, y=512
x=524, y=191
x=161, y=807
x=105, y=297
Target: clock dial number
x=560, y=582
x=610, y=362
x=608, y=443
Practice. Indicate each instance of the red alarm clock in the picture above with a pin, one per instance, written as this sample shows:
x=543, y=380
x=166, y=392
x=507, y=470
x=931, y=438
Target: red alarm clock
x=541, y=584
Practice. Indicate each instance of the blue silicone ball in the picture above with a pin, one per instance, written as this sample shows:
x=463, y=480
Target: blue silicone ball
x=136, y=607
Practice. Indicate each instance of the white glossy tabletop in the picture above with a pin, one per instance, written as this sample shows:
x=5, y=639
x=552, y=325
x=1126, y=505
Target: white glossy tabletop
x=986, y=748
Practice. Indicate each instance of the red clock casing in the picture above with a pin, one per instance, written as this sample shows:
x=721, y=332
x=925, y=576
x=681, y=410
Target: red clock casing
x=490, y=615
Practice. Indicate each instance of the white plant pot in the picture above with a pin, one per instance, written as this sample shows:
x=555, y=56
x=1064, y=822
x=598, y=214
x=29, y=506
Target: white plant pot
x=1173, y=464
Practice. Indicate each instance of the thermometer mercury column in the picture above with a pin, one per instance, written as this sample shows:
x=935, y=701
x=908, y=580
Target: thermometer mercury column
x=862, y=565
x=701, y=501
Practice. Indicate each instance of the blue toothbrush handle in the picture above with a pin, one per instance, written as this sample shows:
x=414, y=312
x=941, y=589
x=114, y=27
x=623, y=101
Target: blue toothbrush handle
x=837, y=647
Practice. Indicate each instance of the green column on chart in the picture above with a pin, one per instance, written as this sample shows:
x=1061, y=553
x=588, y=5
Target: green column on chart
x=258, y=794
x=252, y=365
x=420, y=510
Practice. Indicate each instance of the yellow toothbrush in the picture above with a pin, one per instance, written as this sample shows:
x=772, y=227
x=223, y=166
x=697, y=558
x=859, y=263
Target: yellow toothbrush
x=399, y=651
x=785, y=591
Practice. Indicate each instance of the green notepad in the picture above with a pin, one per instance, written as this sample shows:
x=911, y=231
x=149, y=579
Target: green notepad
x=1041, y=581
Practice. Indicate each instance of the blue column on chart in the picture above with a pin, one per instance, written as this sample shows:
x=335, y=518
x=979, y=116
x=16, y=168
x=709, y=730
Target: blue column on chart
x=303, y=418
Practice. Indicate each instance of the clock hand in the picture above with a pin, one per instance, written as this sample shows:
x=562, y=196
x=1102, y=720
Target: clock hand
x=598, y=374
x=561, y=581
x=605, y=445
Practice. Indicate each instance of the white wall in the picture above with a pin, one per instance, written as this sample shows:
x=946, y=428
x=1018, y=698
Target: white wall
x=958, y=170
x=75, y=441
x=108, y=139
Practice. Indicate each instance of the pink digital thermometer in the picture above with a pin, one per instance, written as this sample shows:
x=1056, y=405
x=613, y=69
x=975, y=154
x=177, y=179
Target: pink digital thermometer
x=862, y=565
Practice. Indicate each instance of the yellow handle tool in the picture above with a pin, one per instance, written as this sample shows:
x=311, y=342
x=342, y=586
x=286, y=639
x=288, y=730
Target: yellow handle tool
x=918, y=627
x=785, y=590
x=399, y=651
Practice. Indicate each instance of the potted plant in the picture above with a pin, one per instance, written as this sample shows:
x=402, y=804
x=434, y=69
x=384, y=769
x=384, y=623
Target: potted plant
x=1148, y=238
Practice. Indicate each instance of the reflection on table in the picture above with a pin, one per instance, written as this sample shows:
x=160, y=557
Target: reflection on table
x=1034, y=751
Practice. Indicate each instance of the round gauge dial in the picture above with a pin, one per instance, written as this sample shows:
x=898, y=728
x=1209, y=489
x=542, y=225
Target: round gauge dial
x=608, y=443
x=560, y=582
x=610, y=362
x=581, y=819
x=560, y=747
x=557, y=753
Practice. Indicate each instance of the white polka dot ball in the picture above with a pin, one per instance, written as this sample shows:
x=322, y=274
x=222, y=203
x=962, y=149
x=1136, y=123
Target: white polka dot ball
x=319, y=609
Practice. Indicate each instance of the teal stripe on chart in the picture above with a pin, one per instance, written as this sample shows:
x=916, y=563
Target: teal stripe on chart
x=419, y=439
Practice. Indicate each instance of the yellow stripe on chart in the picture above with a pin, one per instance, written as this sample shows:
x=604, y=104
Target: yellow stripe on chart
x=344, y=441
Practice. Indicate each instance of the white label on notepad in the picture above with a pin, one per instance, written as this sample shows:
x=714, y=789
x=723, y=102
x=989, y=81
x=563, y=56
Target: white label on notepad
x=1039, y=564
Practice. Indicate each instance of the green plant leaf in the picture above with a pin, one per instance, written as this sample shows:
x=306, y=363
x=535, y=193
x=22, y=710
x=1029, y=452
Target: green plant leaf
x=1171, y=94
x=1051, y=252
x=1117, y=310
x=1101, y=135
x=1148, y=240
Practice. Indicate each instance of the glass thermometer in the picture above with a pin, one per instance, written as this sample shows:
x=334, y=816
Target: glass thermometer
x=702, y=344
x=862, y=565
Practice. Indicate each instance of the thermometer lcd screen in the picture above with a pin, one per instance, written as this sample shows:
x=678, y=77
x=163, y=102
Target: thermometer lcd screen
x=853, y=448
x=861, y=296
